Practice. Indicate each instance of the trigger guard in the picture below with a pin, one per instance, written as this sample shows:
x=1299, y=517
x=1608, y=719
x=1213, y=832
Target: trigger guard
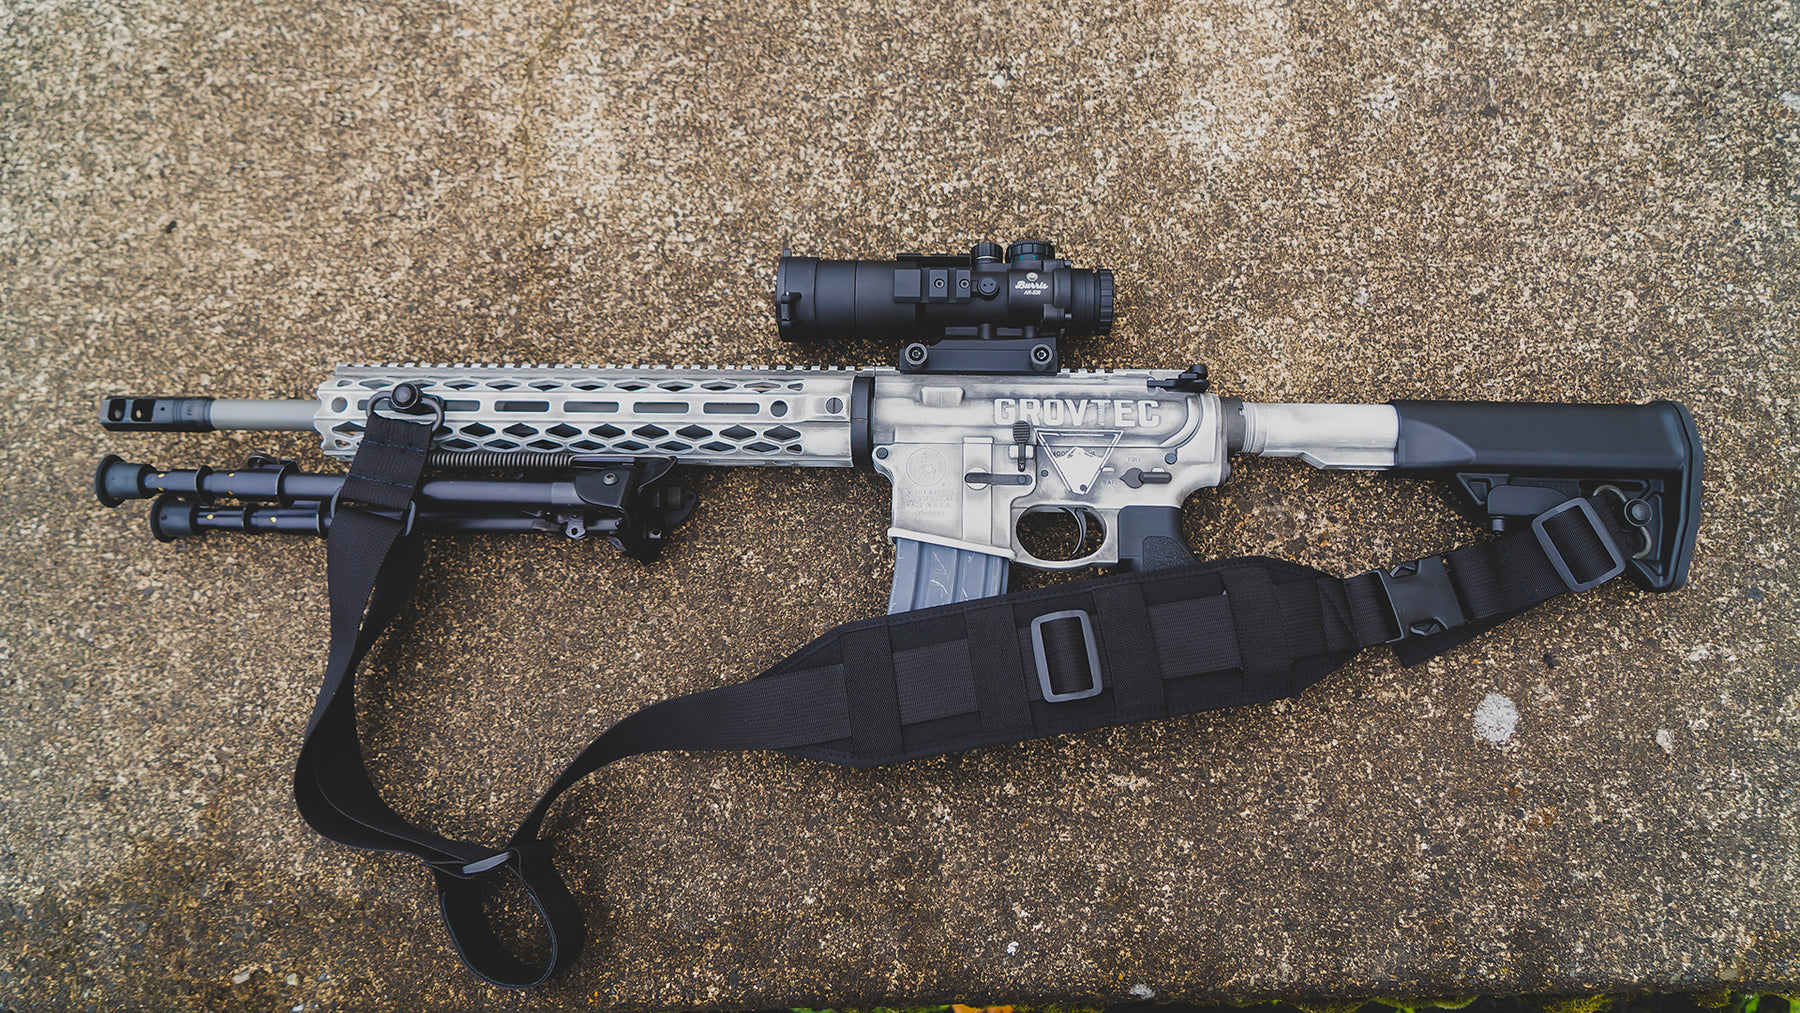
x=1106, y=554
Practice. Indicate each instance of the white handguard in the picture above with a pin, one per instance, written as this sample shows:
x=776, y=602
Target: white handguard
x=699, y=415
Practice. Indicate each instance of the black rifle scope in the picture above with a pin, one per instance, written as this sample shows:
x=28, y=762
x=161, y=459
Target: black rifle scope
x=1028, y=296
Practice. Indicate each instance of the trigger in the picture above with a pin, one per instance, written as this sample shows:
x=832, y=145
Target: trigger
x=1081, y=527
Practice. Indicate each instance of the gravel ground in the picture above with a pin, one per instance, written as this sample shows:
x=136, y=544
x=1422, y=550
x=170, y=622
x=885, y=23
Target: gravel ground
x=1586, y=201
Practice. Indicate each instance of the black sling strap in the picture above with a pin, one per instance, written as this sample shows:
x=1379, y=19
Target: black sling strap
x=1125, y=648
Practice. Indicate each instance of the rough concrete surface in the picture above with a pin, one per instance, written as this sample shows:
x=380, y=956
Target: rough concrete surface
x=1583, y=200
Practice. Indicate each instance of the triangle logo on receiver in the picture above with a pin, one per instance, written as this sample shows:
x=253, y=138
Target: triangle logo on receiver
x=1078, y=454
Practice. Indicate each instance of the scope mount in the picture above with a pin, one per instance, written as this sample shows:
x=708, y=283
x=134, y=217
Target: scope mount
x=981, y=353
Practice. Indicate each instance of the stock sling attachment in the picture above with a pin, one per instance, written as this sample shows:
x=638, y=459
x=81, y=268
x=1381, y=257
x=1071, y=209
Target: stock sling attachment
x=1125, y=648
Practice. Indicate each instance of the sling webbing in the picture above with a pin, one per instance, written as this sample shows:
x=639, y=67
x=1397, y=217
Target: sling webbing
x=1125, y=648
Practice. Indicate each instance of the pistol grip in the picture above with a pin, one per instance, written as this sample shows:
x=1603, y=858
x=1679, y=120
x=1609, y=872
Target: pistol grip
x=1150, y=538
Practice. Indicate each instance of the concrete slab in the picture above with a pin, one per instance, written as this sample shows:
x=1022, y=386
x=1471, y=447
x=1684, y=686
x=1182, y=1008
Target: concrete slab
x=1326, y=201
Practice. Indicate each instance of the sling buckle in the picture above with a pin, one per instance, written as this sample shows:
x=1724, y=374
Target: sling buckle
x=1068, y=656
x=1421, y=598
x=1561, y=563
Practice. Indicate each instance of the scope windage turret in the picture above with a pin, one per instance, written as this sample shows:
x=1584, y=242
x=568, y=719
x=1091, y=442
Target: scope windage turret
x=1028, y=294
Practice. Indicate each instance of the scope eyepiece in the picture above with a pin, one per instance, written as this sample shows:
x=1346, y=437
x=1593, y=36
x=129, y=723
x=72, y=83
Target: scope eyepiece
x=1026, y=296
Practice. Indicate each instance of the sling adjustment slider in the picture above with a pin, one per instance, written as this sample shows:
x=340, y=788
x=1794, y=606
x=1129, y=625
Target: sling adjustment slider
x=1560, y=562
x=1068, y=649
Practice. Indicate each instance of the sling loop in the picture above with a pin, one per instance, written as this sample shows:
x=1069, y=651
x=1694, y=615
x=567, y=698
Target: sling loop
x=1113, y=650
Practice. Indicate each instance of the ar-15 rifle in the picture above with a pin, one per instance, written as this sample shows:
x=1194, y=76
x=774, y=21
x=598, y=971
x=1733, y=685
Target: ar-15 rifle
x=977, y=430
